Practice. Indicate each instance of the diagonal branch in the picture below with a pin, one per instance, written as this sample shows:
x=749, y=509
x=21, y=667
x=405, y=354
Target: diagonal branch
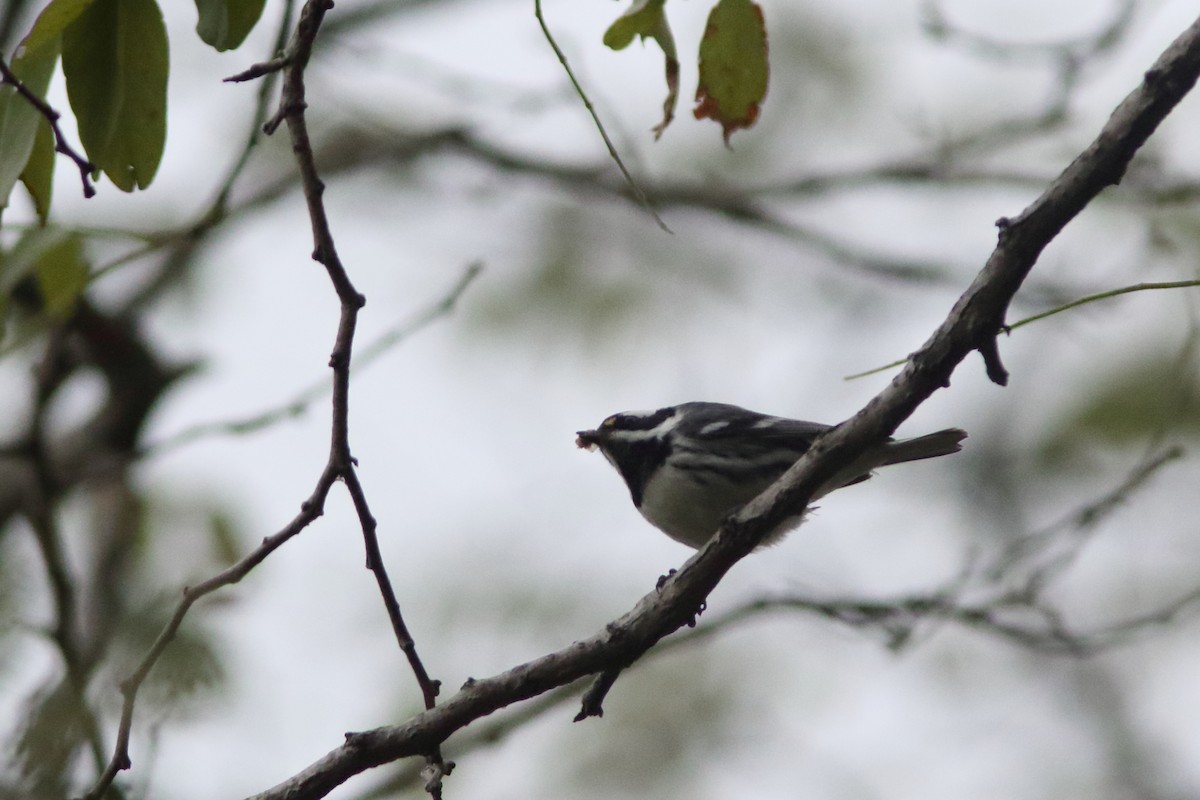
x=973, y=324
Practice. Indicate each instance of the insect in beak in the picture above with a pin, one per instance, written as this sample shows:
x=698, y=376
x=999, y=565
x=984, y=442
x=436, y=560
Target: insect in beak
x=588, y=440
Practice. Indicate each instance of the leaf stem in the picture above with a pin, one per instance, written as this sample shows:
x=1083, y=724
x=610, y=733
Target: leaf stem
x=1091, y=298
x=587, y=103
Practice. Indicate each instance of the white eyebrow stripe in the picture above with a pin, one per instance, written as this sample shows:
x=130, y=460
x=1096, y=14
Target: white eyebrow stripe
x=769, y=422
x=713, y=427
x=657, y=432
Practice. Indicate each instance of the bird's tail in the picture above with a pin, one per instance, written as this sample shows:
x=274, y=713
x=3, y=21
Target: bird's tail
x=931, y=445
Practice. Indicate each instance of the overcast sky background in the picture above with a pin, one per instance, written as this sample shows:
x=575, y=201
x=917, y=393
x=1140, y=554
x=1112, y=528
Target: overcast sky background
x=504, y=541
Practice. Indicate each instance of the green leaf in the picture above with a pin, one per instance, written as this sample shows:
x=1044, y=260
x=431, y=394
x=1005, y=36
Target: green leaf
x=19, y=120
x=224, y=24
x=641, y=19
x=18, y=262
x=29, y=150
x=115, y=63
x=38, y=175
x=62, y=275
x=733, y=65
x=56, y=259
x=50, y=736
x=53, y=20
x=1156, y=397
x=226, y=544
x=648, y=19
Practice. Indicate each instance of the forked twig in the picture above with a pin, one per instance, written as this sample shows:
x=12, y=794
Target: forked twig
x=61, y=145
x=340, y=465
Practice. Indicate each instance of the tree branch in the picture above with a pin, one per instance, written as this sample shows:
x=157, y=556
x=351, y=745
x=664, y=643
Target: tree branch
x=973, y=324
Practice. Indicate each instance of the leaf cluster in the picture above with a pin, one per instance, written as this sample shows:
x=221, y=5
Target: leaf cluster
x=115, y=62
x=732, y=55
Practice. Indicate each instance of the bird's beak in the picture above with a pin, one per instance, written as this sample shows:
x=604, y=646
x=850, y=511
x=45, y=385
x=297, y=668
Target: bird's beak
x=588, y=440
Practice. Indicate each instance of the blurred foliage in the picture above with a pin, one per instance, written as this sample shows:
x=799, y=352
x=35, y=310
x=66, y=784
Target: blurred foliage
x=667, y=719
x=19, y=120
x=41, y=277
x=189, y=675
x=224, y=24
x=50, y=735
x=62, y=274
x=1174, y=230
x=132, y=567
x=583, y=288
x=560, y=283
x=1153, y=399
x=594, y=274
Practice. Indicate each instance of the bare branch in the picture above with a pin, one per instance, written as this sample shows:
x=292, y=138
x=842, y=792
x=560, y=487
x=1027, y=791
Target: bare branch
x=291, y=111
x=261, y=69
x=65, y=634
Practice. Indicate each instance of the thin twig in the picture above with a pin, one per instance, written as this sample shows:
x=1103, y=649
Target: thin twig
x=341, y=462
x=1080, y=48
x=1025, y=549
x=587, y=103
x=340, y=465
x=260, y=69
x=310, y=510
x=265, y=91
x=300, y=402
x=61, y=145
x=291, y=110
x=1091, y=298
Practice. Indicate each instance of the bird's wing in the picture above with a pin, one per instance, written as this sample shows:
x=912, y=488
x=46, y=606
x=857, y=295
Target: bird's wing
x=752, y=428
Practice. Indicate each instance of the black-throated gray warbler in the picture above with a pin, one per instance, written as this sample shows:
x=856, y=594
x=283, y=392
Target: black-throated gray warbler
x=690, y=466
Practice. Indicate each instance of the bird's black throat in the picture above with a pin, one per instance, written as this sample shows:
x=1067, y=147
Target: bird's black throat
x=637, y=460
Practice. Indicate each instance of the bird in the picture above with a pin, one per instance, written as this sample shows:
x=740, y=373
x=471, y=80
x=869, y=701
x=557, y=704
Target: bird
x=690, y=466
